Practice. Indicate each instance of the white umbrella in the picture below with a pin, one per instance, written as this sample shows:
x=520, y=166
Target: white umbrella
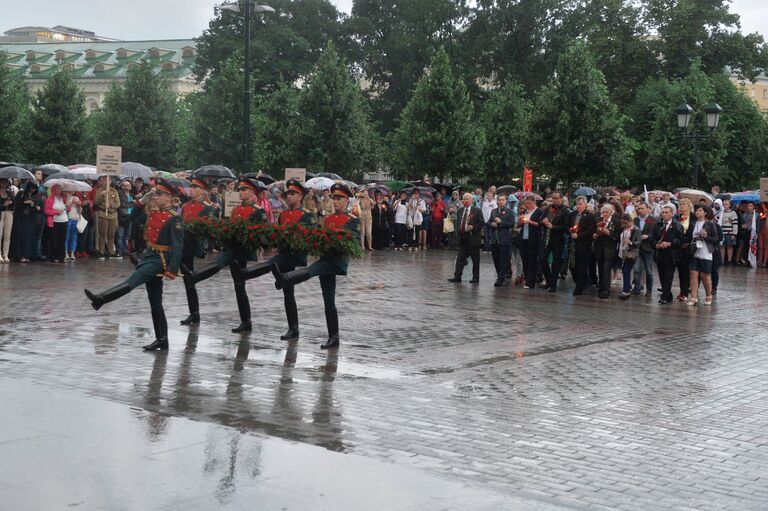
x=320, y=183
x=88, y=171
x=696, y=195
x=68, y=185
x=54, y=167
x=133, y=170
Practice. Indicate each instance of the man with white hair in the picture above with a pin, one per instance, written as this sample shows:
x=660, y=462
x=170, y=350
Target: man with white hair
x=469, y=228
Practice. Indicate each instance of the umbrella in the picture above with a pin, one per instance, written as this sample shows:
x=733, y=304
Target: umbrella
x=396, y=186
x=280, y=185
x=423, y=190
x=330, y=175
x=69, y=185
x=214, y=171
x=52, y=168
x=183, y=174
x=657, y=192
x=76, y=176
x=525, y=195
x=89, y=171
x=449, y=186
x=696, y=196
x=421, y=182
x=266, y=179
x=375, y=187
x=133, y=170
x=350, y=184
x=678, y=190
x=15, y=172
x=506, y=189
x=723, y=196
x=585, y=190
x=751, y=196
x=320, y=183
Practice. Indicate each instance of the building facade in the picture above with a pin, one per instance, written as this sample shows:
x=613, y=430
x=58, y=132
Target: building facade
x=757, y=90
x=55, y=34
x=96, y=65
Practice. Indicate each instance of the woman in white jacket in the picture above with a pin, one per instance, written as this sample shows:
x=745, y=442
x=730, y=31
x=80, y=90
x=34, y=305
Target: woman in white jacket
x=489, y=204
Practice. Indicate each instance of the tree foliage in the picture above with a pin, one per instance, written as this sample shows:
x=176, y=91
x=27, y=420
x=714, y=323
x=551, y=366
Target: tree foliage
x=337, y=134
x=278, y=130
x=58, y=122
x=502, y=122
x=575, y=132
x=437, y=136
x=15, y=111
x=141, y=116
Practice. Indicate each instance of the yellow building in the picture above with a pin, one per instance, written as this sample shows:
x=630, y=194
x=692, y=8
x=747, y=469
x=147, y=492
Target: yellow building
x=757, y=90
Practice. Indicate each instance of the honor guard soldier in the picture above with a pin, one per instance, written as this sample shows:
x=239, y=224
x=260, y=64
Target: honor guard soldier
x=164, y=234
x=194, y=209
x=236, y=257
x=329, y=266
x=285, y=260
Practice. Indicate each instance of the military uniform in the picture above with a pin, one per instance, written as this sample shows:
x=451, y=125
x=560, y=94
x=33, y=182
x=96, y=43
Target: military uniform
x=326, y=268
x=164, y=235
x=193, y=247
x=235, y=257
x=286, y=260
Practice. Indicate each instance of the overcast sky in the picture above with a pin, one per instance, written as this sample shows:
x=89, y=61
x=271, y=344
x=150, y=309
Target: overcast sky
x=182, y=19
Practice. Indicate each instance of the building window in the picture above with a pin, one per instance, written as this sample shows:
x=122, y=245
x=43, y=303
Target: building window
x=121, y=54
x=30, y=55
x=154, y=54
x=90, y=54
x=167, y=66
x=131, y=66
x=98, y=68
x=187, y=53
x=68, y=67
x=34, y=69
x=765, y=93
x=60, y=55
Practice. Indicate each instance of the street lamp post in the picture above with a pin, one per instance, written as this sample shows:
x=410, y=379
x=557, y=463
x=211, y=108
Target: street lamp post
x=693, y=135
x=247, y=8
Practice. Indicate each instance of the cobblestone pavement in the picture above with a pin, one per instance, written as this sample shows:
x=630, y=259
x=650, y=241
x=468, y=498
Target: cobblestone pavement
x=583, y=403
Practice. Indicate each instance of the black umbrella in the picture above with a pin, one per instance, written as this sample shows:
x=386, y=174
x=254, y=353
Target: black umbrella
x=68, y=175
x=422, y=189
x=214, y=171
x=266, y=179
x=506, y=189
x=15, y=172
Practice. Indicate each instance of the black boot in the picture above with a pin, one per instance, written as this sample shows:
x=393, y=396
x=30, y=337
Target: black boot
x=244, y=307
x=290, y=278
x=194, y=305
x=97, y=300
x=254, y=271
x=332, y=321
x=133, y=259
x=193, y=277
x=292, y=314
x=161, y=331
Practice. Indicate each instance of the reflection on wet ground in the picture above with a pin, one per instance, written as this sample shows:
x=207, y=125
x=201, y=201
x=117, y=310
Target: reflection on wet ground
x=521, y=395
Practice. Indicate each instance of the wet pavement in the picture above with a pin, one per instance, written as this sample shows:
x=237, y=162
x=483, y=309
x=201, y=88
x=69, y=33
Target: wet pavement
x=442, y=396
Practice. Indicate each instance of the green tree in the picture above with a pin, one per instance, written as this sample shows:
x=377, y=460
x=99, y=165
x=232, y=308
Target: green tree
x=58, y=122
x=437, y=135
x=15, y=111
x=278, y=130
x=337, y=134
x=397, y=39
x=503, y=121
x=706, y=30
x=575, y=132
x=218, y=119
x=285, y=45
x=663, y=158
x=140, y=116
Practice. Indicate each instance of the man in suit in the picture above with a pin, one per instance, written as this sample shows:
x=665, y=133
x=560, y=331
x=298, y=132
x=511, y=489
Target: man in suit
x=605, y=247
x=645, y=222
x=500, y=226
x=470, y=229
x=582, y=230
x=530, y=240
x=556, y=222
x=668, y=235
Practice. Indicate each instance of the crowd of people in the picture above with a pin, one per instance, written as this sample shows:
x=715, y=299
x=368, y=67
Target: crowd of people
x=534, y=240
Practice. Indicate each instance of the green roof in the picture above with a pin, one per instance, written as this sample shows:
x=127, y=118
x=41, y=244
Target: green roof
x=180, y=53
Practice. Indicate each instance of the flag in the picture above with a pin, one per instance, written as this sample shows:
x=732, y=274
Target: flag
x=645, y=190
x=527, y=180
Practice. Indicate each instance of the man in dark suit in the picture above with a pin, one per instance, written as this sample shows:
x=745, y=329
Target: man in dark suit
x=501, y=222
x=556, y=222
x=470, y=229
x=530, y=236
x=583, y=228
x=605, y=248
x=668, y=235
x=645, y=222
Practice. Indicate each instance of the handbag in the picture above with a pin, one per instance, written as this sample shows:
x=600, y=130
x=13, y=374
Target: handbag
x=448, y=227
x=82, y=223
x=409, y=222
